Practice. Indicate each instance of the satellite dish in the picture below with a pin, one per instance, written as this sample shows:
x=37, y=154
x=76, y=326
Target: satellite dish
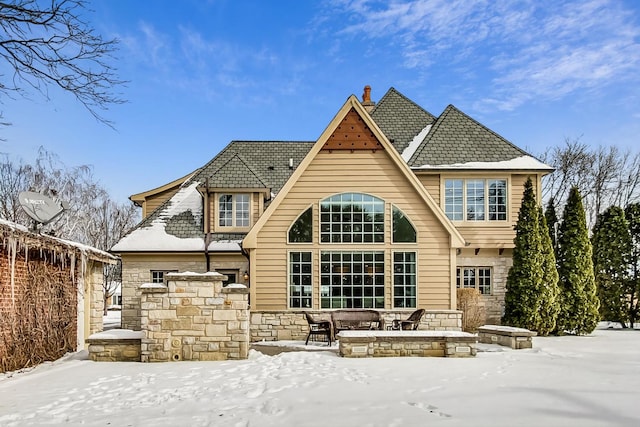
x=41, y=208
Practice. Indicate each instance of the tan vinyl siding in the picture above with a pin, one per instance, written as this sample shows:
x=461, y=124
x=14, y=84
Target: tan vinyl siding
x=367, y=172
x=488, y=234
x=152, y=202
x=432, y=184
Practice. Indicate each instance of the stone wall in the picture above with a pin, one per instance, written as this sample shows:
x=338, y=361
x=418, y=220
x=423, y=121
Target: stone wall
x=292, y=325
x=508, y=336
x=357, y=344
x=117, y=345
x=136, y=270
x=193, y=317
x=500, y=265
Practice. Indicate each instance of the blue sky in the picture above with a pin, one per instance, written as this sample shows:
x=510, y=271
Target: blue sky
x=204, y=73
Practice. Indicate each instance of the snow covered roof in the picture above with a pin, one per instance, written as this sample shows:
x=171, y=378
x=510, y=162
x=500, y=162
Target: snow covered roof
x=519, y=163
x=9, y=229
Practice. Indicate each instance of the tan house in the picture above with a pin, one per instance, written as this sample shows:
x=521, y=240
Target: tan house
x=391, y=208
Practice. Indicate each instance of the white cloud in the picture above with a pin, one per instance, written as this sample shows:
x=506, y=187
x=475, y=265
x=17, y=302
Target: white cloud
x=528, y=49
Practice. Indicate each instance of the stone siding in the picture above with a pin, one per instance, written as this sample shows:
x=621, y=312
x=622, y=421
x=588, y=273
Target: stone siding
x=500, y=264
x=114, y=350
x=194, y=318
x=292, y=325
x=136, y=270
x=357, y=344
x=508, y=336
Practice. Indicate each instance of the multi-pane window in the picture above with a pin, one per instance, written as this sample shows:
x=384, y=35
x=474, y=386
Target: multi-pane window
x=475, y=199
x=233, y=210
x=300, y=279
x=474, y=277
x=453, y=200
x=497, y=199
x=352, y=218
x=352, y=279
x=157, y=276
x=404, y=279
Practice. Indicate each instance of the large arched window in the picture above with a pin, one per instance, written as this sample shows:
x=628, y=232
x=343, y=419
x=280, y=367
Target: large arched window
x=352, y=218
x=355, y=277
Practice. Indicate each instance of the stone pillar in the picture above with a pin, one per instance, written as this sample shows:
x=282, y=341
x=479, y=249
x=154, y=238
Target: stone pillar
x=194, y=317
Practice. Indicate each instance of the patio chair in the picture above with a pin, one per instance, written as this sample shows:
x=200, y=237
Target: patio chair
x=318, y=327
x=412, y=322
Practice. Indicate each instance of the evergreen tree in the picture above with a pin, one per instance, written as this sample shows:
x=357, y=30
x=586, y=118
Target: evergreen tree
x=549, y=305
x=632, y=215
x=578, y=297
x=525, y=276
x=552, y=223
x=611, y=243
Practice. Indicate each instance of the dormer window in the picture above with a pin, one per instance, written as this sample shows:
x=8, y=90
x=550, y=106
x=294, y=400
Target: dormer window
x=233, y=210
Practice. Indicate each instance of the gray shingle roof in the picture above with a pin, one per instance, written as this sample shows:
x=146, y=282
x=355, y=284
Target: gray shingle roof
x=241, y=164
x=457, y=138
x=253, y=164
x=400, y=119
x=235, y=173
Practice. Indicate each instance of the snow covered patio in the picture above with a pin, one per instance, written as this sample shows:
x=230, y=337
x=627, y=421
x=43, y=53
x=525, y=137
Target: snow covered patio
x=562, y=381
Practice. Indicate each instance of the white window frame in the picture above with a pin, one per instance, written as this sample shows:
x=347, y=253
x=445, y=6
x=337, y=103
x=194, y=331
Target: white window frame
x=479, y=273
x=301, y=274
x=240, y=204
x=395, y=265
x=448, y=200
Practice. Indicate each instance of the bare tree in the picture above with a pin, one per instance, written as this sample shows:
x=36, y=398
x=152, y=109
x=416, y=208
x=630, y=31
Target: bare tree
x=49, y=44
x=93, y=218
x=605, y=176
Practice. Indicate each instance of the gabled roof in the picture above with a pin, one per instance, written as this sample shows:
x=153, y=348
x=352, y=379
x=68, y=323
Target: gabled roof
x=235, y=173
x=351, y=106
x=400, y=119
x=457, y=138
x=261, y=164
x=178, y=224
x=139, y=198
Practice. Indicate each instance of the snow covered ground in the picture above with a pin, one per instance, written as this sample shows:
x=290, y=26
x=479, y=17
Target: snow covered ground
x=563, y=381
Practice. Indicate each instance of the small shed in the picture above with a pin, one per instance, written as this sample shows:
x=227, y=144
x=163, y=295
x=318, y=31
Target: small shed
x=51, y=295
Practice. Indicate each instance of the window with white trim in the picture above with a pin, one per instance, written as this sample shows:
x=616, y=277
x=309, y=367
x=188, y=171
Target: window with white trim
x=233, y=210
x=474, y=277
x=352, y=218
x=352, y=279
x=475, y=199
x=300, y=279
x=157, y=276
x=404, y=279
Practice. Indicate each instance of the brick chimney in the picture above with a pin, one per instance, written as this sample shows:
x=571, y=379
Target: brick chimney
x=367, y=103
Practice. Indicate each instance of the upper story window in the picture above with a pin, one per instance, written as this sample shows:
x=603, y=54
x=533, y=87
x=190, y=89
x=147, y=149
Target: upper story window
x=475, y=199
x=352, y=218
x=233, y=210
x=301, y=231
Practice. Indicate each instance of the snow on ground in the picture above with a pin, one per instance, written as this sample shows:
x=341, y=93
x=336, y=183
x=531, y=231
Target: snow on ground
x=562, y=381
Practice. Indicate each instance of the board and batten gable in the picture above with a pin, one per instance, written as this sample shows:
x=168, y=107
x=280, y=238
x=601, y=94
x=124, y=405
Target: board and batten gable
x=332, y=169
